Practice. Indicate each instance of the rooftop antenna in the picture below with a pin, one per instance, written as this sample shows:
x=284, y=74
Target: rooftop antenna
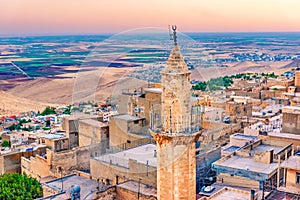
x=173, y=35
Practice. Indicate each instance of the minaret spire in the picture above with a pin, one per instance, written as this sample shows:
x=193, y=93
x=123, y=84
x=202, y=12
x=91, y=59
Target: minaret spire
x=176, y=149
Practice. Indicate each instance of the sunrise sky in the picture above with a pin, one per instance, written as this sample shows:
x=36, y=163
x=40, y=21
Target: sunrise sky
x=47, y=17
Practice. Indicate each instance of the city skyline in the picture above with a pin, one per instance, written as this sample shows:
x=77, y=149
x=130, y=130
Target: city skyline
x=54, y=17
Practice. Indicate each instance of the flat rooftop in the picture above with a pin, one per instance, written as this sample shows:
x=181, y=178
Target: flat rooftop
x=52, y=136
x=154, y=90
x=291, y=94
x=141, y=154
x=228, y=193
x=231, y=149
x=22, y=148
x=238, y=162
x=284, y=135
x=134, y=186
x=209, y=108
x=128, y=117
x=86, y=186
x=293, y=162
x=243, y=136
x=239, y=97
x=265, y=148
x=278, y=195
x=291, y=109
x=278, y=87
x=93, y=122
x=77, y=116
x=193, y=99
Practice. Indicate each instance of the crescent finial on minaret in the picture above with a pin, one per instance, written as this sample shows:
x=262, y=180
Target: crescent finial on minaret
x=174, y=27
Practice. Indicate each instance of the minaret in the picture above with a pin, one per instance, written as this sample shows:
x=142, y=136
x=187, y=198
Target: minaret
x=176, y=156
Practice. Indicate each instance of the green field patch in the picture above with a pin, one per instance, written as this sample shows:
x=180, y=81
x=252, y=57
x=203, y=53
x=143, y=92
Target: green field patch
x=10, y=70
x=39, y=65
x=147, y=55
x=66, y=62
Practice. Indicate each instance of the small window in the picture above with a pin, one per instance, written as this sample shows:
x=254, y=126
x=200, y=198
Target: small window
x=297, y=178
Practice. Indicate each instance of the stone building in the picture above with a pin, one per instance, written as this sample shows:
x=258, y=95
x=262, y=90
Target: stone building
x=92, y=131
x=128, y=190
x=54, y=142
x=253, y=165
x=142, y=102
x=291, y=119
x=229, y=193
x=70, y=125
x=286, y=82
x=53, y=163
x=297, y=80
x=291, y=178
x=138, y=164
x=176, y=155
x=10, y=160
x=239, y=107
x=125, y=128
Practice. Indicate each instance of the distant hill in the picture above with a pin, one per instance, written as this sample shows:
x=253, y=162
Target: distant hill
x=90, y=85
x=249, y=66
x=293, y=64
x=13, y=105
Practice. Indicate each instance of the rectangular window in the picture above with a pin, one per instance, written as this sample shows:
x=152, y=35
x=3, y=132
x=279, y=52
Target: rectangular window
x=297, y=177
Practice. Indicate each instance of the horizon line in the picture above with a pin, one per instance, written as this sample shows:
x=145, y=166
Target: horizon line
x=114, y=33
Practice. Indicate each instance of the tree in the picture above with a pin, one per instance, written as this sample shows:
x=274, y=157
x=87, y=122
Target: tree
x=19, y=186
x=67, y=110
x=5, y=143
x=200, y=86
x=48, y=111
x=13, y=127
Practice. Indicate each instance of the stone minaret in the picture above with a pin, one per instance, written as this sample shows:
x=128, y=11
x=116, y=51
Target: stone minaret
x=176, y=156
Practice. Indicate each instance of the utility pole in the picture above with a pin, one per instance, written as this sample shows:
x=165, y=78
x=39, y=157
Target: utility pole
x=263, y=190
x=62, y=182
x=147, y=167
x=139, y=187
x=98, y=188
